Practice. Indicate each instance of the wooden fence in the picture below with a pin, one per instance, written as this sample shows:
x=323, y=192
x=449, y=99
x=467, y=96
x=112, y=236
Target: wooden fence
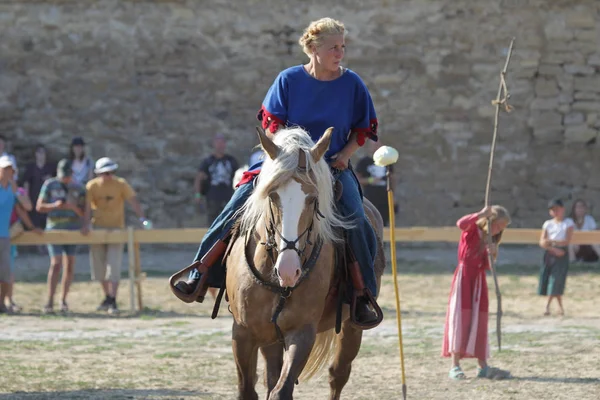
x=133, y=238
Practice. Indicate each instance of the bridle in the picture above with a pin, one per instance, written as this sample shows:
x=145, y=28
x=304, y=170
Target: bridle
x=273, y=232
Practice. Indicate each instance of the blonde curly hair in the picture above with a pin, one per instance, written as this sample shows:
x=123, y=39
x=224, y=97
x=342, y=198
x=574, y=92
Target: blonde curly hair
x=315, y=32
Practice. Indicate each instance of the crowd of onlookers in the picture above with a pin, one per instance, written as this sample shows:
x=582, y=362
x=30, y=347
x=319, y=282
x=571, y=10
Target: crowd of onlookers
x=78, y=193
x=74, y=194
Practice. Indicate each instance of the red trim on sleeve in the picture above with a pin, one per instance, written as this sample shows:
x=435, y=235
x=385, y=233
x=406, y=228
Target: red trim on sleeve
x=367, y=133
x=269, y=120
x=247, y=177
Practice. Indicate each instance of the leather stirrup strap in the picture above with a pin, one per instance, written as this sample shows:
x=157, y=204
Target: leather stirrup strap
x=217, y=305
x=361, y=291
x=209, y=259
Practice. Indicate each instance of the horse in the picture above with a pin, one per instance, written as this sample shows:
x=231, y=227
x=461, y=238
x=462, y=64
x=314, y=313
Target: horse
x=279, y=286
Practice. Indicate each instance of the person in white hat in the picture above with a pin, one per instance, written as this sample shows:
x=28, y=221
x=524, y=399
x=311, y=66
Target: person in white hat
x=8, y=202
x=105, y=209
x=4, y=153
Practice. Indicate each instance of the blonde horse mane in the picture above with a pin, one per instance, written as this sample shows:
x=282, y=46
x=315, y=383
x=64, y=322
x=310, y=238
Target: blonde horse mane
x=276, y=173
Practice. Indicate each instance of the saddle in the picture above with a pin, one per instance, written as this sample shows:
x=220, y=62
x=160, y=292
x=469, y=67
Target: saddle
x=347, y=285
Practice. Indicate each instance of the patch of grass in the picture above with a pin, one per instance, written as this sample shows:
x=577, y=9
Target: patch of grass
x=171, y=354
x=155, y=352
x=97, y=349
x=177, y=323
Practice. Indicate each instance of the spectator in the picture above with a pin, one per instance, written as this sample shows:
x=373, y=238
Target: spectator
x=36, y=173
x=7, y=203
x=256, y=156
x=83, y=169
x=106, y=196
x=63, y=200
x=373, y=181
x=16, y=228
x=4, y=152
x=556, y=235
x=582, y=221
x=215, y=177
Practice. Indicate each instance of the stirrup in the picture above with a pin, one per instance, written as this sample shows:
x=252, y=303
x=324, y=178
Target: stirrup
x=188, y=298
x=369, y=300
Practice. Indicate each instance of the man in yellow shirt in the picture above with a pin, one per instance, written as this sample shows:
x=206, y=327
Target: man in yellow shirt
x=105, y=204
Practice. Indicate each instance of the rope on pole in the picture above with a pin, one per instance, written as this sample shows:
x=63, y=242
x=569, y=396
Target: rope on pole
x=501, y=100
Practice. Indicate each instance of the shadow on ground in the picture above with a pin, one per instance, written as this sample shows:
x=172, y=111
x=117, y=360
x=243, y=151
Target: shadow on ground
x=588, y=381
x=148, y=313
x=108, y=394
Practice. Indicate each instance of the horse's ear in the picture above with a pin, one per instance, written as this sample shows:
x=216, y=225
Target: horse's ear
x=319, y=149
x=267, y=144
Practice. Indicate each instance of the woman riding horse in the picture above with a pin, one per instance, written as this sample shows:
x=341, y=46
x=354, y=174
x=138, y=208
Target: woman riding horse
x=315, y=96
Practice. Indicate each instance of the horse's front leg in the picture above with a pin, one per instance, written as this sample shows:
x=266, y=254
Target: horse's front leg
x=347, y=349
x=299, y=344
x=245, y=351
x=273, y=355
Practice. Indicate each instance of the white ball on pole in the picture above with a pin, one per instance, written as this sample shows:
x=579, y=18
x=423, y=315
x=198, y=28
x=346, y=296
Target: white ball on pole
x=384, y=156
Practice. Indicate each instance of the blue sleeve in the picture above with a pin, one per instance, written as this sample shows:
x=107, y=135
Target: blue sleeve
x=273, y=112
x=364, y=120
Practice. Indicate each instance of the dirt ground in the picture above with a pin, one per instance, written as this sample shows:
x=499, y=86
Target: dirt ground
x=175, y=351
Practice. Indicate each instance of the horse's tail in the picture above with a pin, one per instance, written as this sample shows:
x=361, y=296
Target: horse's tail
x=321, y=355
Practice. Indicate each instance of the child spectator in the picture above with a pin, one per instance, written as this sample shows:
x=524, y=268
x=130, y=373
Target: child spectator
x=16, y=228
x=63, y=200
x=555, y=239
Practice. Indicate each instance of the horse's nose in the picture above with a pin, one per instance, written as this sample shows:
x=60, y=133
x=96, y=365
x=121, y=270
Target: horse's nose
x=288, y=269
x=289, y=280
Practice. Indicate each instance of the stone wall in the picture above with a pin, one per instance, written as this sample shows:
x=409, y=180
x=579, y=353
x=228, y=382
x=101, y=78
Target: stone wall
x=148, y=83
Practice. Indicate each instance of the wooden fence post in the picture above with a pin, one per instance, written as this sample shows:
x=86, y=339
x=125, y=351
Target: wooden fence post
x=139, y=277
x=131, y=255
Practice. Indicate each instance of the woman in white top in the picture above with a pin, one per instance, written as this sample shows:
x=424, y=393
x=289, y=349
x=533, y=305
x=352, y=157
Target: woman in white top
x=82, y=165
x=555, y=239
x=582, y=221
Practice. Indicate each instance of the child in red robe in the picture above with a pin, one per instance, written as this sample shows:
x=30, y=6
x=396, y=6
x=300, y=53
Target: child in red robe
x=466, y=328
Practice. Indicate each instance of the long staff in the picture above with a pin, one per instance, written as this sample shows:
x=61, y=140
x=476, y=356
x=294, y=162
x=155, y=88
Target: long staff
x=501, y=100
x=386, y=156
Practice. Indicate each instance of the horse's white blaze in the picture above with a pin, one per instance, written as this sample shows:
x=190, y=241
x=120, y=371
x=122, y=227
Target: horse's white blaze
x=292, y=204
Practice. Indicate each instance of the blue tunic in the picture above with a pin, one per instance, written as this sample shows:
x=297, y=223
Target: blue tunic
x=298, y=99
x=7, y=203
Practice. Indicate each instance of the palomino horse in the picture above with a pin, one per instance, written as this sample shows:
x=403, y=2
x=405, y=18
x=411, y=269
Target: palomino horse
x=281, y=266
